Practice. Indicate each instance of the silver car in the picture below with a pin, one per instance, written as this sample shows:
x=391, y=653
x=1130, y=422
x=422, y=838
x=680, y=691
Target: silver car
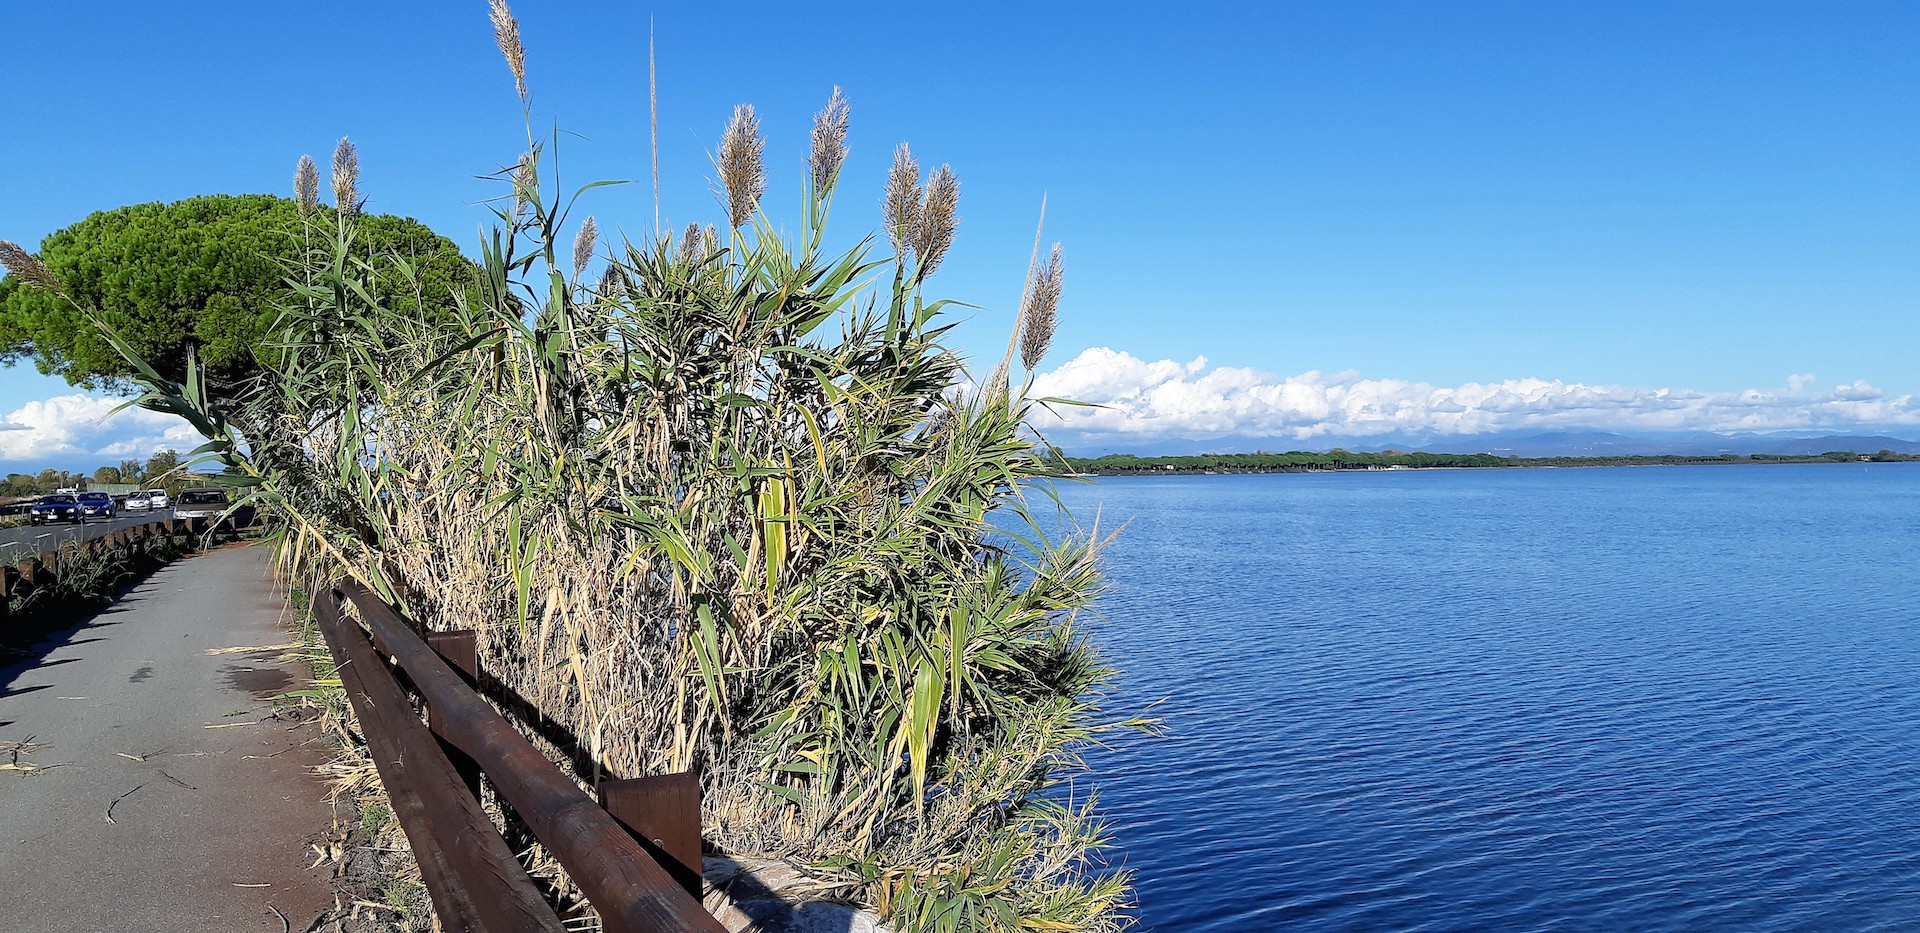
x=201, y=503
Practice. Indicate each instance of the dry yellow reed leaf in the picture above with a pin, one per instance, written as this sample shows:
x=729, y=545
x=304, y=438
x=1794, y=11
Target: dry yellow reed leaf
x=241, y=649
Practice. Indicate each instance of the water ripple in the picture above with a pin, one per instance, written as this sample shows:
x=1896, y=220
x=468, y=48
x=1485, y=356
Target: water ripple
x=1653, y=699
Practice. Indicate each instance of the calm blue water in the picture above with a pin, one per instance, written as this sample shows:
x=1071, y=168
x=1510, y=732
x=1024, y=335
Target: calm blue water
x=1681, y=698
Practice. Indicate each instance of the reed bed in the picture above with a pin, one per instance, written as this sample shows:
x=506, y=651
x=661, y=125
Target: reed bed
x=727, y=505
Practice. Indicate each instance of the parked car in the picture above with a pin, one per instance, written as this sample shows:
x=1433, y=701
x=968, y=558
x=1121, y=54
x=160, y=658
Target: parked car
x=55, y=508
x=201, y=503
x=95, y=505
x=157, y=499
x=137, y=502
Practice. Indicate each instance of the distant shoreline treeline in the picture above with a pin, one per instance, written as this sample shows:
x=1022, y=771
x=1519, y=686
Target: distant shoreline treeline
x=1300, y=461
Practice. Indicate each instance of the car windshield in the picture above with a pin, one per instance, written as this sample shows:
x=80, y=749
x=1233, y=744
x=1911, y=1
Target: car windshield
x=58, y=500
x=95, y=497
x=208, y=497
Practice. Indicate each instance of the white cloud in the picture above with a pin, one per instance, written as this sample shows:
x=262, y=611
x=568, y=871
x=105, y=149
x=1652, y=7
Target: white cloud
x=1856, y=392
x=79, y=425
x=1165, y=398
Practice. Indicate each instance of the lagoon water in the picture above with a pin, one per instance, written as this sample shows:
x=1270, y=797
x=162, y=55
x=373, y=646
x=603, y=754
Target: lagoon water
x=1658, y=698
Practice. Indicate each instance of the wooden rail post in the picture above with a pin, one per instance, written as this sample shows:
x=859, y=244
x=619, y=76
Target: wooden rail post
x=461, y=648
x=662, y=813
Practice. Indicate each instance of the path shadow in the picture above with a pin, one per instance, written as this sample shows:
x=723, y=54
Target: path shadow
x=12, y=672
x=26, y=641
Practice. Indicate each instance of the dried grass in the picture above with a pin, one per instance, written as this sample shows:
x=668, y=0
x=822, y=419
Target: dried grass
x=583, y=246
x=937, y=220
x=741, y=164
x=829, y=150
x=506, y=35
x=28, y=268
x=1042, y=303
x=902, y=200
x=346, y=177
x=306, y=185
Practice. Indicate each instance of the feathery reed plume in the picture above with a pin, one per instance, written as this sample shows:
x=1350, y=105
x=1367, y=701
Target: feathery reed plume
x=583, y=246
x=506, y=34
x=693, y=245
x=743, y=171
x=346, y=174
x=28, y=268
x=523, y=182
x=999, y=383
x=934, y=225
x=306, y=185
x=902, y=199
x=829, y=141
x=1043, y=303
x=611, y=285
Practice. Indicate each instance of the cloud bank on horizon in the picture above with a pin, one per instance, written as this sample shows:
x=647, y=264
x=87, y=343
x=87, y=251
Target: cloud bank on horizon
x=1141, y=401
x=1146, y=400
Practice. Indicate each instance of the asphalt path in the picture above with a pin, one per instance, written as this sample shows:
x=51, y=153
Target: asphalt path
x=170, y=793
x=28, y=540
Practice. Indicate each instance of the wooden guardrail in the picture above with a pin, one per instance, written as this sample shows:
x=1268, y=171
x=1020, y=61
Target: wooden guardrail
x=635, y=852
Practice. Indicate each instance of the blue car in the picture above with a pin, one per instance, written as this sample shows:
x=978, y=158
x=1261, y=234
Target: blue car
x=95, y=505
x=52, y=509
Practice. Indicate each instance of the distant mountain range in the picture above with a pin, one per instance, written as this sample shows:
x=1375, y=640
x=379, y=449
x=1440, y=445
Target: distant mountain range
x=1528, y=444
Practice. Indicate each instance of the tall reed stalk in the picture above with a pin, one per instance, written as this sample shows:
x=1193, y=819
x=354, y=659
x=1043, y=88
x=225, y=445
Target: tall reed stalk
x=726, y=504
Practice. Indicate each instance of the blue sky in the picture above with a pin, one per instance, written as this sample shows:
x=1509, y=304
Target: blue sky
x=1280, y=219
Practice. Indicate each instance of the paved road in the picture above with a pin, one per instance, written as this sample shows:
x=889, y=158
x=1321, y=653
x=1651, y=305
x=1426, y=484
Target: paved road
x=28, y=540
x=209, y=826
